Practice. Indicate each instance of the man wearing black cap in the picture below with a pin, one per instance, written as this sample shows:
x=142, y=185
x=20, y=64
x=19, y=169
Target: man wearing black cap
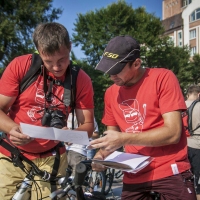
x=143, y=113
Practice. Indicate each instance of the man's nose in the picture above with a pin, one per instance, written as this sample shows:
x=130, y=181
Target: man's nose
x=56, y=65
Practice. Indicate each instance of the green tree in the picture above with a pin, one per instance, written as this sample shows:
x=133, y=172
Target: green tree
x=18, y=19
x=100, y=83
x=165, y=54
x=94, y=29
x=194, y=70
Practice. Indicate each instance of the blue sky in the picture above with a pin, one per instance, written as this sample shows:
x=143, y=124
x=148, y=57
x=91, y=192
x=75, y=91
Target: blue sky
x=72, y=7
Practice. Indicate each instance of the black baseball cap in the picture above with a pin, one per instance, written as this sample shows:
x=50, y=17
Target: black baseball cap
x=119, y=51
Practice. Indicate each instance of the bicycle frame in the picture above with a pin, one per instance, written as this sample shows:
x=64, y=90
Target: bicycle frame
x=23, y=193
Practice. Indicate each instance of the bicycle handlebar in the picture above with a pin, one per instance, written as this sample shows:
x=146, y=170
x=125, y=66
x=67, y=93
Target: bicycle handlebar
x=80, y=172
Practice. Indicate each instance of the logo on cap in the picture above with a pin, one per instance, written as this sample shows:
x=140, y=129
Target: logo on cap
x=111, y=55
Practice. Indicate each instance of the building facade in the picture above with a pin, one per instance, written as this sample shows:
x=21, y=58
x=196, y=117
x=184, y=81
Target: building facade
x=181, y=20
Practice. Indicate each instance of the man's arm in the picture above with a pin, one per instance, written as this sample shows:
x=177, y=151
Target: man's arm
x=7, y=125
x=85, y=118
x=95, y=135
x=169, y=133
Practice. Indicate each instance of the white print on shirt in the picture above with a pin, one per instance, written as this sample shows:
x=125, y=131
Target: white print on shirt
x=40, y=99
x=133, y=115
x=31, y=113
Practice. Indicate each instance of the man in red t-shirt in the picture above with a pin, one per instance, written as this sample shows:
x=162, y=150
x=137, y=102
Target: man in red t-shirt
x=144, y=116
x=53, y=44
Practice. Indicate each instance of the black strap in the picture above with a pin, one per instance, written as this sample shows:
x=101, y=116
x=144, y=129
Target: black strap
x=33, y=72
x=55, y=169
x=17, y=156
x=56, y=162
x=69, y=83
x=189, y=120
x=74, y=71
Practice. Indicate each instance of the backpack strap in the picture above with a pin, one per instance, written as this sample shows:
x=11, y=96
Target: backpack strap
x=69, y=83
x=189, y=112
x=32, y=74
x=70, y=88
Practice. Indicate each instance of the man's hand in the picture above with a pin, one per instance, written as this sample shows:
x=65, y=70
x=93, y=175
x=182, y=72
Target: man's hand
x=98, y=167
x=111, y=141
x=17, y=137
x=68, y=143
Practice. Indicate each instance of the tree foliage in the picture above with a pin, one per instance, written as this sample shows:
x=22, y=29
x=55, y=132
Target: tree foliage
x=18, y=19
x=100, y=83
x=192, y=71
x=94, y=29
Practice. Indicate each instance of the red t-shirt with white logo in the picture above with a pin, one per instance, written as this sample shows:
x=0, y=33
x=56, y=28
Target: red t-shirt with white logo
x=139, y=108
x=26, y=106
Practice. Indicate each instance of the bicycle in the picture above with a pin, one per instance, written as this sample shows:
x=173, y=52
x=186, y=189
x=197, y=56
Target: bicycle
x=24, y=191
x=118, y=174
x=67, y=186
x=81, y=178
x=99, y=181
x=108, y=180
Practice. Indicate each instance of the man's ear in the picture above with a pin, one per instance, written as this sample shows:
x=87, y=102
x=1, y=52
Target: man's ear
x=138, y=62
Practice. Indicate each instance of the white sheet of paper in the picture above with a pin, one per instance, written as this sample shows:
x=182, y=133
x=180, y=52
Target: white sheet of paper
x=50, y=133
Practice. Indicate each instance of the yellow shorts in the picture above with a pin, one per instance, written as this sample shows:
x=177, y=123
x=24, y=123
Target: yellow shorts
x=11, y=177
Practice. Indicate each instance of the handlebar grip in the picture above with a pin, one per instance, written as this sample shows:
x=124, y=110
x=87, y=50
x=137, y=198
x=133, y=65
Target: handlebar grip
x=80, y=173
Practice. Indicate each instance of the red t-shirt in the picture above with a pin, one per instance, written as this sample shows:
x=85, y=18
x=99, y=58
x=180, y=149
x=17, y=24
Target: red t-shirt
x=26, y=106
x=139, y=108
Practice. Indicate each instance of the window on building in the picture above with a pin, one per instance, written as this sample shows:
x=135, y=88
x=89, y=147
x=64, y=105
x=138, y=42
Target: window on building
x=192, y=34
x=171, y=24
x=195, y=15
x=180, y=43
x=186, y=2
x=192, y=51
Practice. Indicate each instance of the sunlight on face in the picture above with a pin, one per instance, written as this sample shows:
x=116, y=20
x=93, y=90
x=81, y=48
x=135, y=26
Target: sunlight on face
x=58, y=62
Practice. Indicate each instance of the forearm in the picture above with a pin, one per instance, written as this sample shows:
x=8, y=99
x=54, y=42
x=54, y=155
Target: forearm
x=89, y=127
x=85, y=120
x=152, y=138
x=169, y=133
